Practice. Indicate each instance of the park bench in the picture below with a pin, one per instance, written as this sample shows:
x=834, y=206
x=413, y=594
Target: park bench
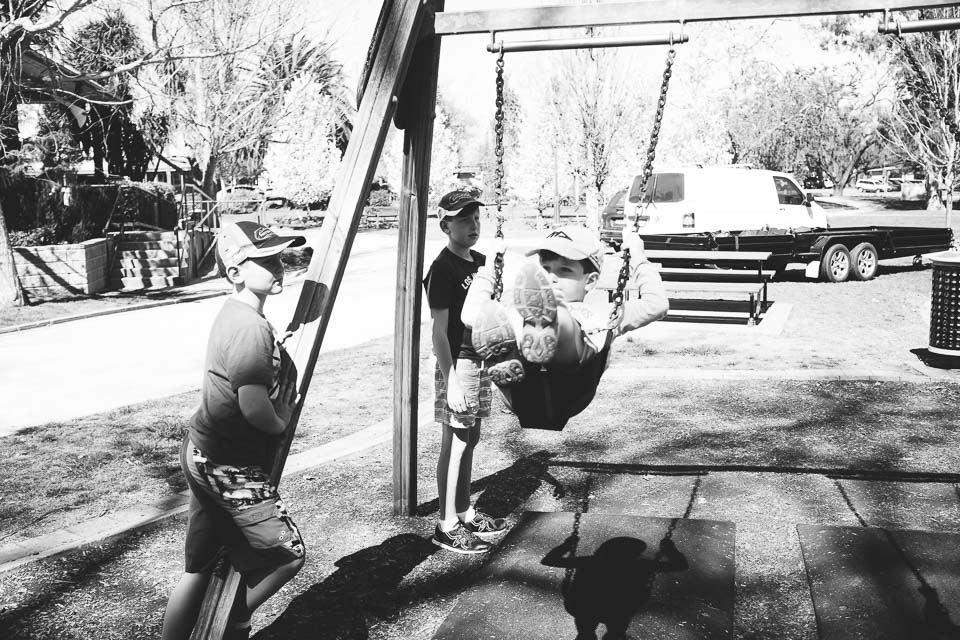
x=377, y=218
x=708, y=286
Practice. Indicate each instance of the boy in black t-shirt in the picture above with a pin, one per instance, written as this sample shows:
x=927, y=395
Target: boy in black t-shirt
x=462, y=394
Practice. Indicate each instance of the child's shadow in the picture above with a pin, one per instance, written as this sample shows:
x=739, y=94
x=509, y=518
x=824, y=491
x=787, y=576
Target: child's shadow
x=363, y=586
x=610, y=586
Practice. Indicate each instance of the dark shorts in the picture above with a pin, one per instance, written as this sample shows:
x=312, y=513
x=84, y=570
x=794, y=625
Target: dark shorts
x=237, y=508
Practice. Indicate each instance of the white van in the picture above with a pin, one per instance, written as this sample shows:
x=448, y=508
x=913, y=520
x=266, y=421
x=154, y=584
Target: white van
x=720, y=199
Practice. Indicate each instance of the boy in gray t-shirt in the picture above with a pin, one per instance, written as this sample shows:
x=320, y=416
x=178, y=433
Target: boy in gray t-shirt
x=244, y=407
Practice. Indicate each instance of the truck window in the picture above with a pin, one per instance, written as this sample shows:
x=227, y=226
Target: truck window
x=787, y=192
x=665, y=187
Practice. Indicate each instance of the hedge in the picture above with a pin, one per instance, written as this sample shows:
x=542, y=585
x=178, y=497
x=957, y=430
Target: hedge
x=35, y=213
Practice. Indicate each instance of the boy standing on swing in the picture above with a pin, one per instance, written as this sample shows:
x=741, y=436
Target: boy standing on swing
x=462, y=386
x=547, y=352
x=246, y=403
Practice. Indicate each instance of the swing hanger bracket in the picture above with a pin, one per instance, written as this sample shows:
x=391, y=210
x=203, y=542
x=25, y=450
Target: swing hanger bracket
x=599, y=42
x=897, y=27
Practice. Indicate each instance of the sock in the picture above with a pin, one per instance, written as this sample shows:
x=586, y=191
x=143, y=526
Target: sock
x=468, y=515
x=447, y=524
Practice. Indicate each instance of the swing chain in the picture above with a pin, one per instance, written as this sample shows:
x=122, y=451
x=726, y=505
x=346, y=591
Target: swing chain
x=623, y=277
x=498, y=177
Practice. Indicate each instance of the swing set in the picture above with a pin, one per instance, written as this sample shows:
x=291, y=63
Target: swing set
x=399, y=83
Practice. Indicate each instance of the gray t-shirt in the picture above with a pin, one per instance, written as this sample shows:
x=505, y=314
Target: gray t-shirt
x=241, y=350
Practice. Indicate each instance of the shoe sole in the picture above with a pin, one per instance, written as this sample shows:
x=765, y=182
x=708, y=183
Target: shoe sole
x=460, y=550
x=489, y=534
x=492, y=334
x=534, y=299
x=506, y=373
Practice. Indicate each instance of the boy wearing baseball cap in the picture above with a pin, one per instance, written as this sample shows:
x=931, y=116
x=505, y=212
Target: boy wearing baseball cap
x=462, y=386
x=245, y=407
x=547, y=351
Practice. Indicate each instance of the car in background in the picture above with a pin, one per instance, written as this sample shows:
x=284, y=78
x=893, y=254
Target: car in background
x=873, y=184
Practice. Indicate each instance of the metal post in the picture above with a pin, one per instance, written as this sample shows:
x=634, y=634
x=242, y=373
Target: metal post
x=586, y=43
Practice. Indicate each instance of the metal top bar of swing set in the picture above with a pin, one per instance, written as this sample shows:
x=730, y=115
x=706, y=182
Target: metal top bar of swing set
x=448, y=23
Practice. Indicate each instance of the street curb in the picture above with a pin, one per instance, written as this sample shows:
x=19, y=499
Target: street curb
x=106, y=312
x=109, y=526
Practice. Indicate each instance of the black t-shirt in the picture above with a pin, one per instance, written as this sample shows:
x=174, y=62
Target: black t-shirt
x=446, y=284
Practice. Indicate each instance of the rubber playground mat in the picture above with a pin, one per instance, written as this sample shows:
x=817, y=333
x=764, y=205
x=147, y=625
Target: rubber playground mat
x=563, y=575
x=882, y=584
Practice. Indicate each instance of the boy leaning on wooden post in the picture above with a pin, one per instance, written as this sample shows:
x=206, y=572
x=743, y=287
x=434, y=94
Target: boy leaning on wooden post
x=245, y=407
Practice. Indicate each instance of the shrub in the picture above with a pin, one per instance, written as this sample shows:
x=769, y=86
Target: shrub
x=35, y=208
x=33, y=238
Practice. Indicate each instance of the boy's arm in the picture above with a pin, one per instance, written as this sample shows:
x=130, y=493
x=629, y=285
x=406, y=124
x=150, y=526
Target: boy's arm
x=645, y=276
x=481, y=290
x=269, y=416
x=441, y=348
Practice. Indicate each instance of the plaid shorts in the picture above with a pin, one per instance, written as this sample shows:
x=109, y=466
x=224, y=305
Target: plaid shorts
x=476, y=387
x=238, y=508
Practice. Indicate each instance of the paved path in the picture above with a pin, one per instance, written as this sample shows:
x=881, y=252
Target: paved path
x=77, y=368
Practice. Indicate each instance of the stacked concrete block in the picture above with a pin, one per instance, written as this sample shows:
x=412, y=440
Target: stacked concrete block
x=53, y=271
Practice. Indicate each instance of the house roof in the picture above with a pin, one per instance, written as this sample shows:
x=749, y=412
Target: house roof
x=46, y=80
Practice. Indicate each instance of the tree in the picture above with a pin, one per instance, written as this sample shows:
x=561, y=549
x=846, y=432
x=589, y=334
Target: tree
x=302, y=156
x=923, y=126
x=595, y=98
x=230, y=97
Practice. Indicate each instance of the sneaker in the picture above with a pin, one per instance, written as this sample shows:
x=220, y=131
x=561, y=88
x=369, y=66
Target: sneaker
x=495, y=340
x=492, y=333
x=459, y=540
x=506, y=372
x=534, y=299
x=482, y=524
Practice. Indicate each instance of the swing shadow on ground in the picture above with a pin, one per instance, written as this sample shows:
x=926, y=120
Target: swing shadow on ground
x=611, y=585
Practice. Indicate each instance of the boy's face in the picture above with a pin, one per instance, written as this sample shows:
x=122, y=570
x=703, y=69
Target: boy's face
x=568, y=276
x=261, y=276
x=464, y=228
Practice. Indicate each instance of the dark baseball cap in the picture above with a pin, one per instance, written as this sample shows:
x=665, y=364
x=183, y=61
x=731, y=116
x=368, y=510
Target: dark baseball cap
x=452, y=203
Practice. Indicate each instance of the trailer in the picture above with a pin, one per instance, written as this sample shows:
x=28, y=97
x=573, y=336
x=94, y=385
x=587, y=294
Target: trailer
x=833, y=255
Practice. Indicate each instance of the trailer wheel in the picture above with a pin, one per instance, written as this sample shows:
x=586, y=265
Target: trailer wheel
x=865, y=261
x=835, y=265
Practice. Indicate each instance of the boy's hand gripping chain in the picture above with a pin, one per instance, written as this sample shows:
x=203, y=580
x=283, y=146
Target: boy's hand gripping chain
x=624, y=276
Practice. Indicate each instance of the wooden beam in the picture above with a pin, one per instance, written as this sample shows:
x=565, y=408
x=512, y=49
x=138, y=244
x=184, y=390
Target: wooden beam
x=656, y=11
x=415, y=115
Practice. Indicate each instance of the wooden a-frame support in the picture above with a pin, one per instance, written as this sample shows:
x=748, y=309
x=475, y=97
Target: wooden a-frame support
x=408, y=38
x=406, y=25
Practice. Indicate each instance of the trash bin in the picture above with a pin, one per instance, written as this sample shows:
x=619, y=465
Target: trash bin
x=945, y=304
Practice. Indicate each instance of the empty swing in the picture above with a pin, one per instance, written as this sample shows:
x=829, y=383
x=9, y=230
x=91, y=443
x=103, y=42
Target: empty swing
x=547, y=397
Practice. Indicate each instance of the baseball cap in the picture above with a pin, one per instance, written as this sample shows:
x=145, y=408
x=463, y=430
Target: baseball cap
x=452, y=203
x=238, y=241
x=575, y=243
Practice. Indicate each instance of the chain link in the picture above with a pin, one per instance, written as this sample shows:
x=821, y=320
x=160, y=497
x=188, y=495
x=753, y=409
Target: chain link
x=498, y=178
x=624, y=276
